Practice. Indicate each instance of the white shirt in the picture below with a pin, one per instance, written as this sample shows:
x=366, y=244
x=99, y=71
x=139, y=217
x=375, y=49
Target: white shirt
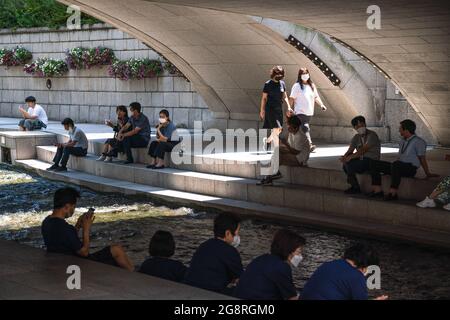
x=304, y=99
x=39, y=112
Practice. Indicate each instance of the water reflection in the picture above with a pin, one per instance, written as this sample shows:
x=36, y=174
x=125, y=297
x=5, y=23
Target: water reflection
x=408, y=272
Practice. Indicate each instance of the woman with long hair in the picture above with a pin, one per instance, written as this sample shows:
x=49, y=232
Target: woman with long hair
x=303, y=96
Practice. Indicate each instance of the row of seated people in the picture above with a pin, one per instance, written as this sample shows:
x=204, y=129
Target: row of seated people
x=216, y=265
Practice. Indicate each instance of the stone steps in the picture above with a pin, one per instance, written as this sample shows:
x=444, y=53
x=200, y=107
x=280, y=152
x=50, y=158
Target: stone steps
x=321, y=175
x=249, y=209
x=321, y=200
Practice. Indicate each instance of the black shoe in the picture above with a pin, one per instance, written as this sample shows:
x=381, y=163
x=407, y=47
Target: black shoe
x=391, y=197
x=352, y=190
x=277, y=175
x=375, y=194
x=266, y=181
x=150, y=166
x=61, y=169
x=128, y=162
x=53, y=167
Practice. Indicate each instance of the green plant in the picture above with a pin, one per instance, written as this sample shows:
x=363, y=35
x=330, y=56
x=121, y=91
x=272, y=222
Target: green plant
x=15, y=57
x=46, y=68
x=85, y=58
x=135, y=68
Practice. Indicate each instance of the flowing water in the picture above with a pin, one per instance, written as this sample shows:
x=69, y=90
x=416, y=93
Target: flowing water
x=407, y=271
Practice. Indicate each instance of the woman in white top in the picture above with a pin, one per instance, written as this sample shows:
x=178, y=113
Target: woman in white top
x=303, y=96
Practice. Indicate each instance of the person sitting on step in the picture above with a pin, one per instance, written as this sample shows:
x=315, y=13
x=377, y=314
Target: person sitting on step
x=138, y=136
x=161, y=248
x=440, y=195
x=76, y=146
x=293, y=151
x=33, y=119
x=411, y=156
x=61, y=237
x=163, y=143
x=368, y=148
x=113, y=146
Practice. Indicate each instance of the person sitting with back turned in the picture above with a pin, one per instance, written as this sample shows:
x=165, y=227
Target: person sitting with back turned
x=33, y=119
x=77, y=146
x=217, y=265
x=163, y=143
x=162, y=247
x=269, y=277
x=368, y=148
x=411, y=156
x=343, y=279
x=139, y=135
x=61, y=237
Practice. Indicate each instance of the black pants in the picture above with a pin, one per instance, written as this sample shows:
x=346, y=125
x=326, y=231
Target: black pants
x=136, y=141
x=158, y=149
x=63, y=154
x=103, y=256
x=396, y=169
x=353, y=167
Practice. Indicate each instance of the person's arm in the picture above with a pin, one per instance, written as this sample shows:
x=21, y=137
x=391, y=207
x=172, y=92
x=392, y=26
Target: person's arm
x=124, y=128
x=424, y=164
x=25, y=113
x=262, y=112
x=287, y=100
x=131, y=132
x=358, y=153
x=87, y=223
x=318, y=100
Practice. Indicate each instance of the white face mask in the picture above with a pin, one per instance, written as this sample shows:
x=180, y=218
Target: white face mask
x=70, y=130
x=305, y=77
x=162, y=120
x=295, y=260
x=236, y=241
x=361, y=130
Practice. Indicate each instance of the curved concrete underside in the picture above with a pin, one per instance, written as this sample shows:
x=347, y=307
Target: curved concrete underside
x=226, y=54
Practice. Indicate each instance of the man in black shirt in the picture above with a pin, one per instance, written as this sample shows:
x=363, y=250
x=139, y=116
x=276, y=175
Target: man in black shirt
x=217, y=265
x=61, y=237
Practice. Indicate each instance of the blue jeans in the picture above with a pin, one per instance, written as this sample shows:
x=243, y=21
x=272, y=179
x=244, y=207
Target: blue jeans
x=32, y=124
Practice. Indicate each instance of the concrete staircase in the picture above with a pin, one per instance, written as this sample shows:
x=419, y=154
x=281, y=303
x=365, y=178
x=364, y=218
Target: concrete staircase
x=306, y=195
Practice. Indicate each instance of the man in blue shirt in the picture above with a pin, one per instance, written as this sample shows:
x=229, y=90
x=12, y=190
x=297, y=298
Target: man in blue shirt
x=217, y=264
x=61, y=237
x=411, y=155
x=139, y=135
x=342, y=279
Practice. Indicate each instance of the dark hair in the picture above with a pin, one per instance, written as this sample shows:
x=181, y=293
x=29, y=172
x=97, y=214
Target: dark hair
x=30, y=99
x=135, y=106
x=68, y=121
x=299, y=78
x=224, y=222
x=294, y=121
x=162, y=244
x=123, y=109
x=409, y=125
x=64, y=196
x=285, y=242
x=165, y=112
x=277, y=71
x=357, y=120
x=362, y=255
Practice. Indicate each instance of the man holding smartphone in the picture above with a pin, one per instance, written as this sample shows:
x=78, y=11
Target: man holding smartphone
x=61, y=237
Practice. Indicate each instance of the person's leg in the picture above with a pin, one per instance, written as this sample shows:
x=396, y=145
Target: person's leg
x=22, y=125
x=152, y=153
x=68, y=151
x=353, y=167
x=126, y=144
x=305, y=126
x=160, y=152
x=58, y=155
x=121, y=258
x=398, y=170
x=28, y=124
x=376, y=168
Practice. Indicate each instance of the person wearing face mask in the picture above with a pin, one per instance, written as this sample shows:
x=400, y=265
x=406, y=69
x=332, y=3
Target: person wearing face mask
x=216, y=265
x=303, y=96
x=411, y=156
x=367, y=146
x=343, y=279
x=76, y=146
x=269, y=277
x=274, y=93
x=163, y=143
x=61, y=237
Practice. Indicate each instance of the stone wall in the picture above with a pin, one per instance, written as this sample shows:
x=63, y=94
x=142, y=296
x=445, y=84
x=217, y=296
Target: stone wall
x=91, y=95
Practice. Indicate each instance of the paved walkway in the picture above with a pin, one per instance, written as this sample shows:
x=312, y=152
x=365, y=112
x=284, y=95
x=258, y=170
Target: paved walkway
x=30, y=273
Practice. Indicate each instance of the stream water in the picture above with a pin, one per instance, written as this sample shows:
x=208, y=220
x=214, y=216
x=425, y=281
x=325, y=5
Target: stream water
x=407, y=271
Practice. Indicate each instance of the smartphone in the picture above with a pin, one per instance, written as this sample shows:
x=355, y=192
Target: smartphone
x=91, y=211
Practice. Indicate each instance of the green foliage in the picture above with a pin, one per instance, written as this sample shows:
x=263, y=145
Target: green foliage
x=36, y=13
x=46, y=68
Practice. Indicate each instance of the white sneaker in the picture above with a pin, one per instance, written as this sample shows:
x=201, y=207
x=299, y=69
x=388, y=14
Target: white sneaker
x=108, y=159
x=447, y=207
x=426, y=203
x=101, y=158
